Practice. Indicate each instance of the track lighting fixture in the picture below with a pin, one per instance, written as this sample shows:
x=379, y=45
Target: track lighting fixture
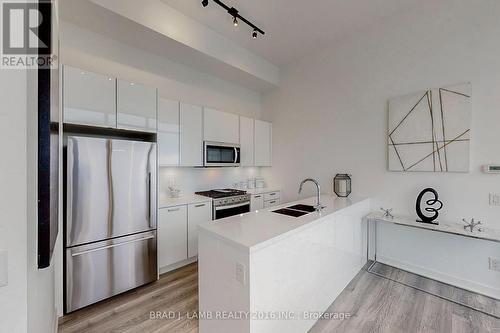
x=236, y=16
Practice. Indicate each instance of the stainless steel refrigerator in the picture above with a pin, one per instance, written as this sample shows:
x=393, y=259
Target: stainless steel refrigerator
x=110, y=229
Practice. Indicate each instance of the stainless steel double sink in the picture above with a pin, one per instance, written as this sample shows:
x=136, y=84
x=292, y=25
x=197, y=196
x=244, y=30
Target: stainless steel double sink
x=295, y=210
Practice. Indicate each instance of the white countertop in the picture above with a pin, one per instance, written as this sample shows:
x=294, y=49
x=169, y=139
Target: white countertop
x=166, y=202
x=447, y=227
x=263, y=190
x=254, y=230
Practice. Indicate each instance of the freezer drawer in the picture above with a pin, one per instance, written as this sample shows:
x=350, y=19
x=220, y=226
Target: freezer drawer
x=100, y=270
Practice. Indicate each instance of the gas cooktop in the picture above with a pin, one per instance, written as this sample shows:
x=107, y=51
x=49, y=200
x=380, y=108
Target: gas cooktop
x=221, y=193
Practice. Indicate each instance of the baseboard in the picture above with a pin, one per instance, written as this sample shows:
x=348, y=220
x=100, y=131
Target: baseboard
x=55, y=322
x=442, y=277
x=177, y=265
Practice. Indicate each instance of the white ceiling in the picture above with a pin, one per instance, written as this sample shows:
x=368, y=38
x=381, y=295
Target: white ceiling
x=293, y=27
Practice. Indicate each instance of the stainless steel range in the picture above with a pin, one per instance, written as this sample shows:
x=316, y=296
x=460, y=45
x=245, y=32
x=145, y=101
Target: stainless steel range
x=228, y=202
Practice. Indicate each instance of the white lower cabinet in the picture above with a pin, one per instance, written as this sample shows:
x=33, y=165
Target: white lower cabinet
x=264, y=200
x=271, y=203
x=178, y=231
x=197, y=213
x=256, y=202
x=172, y=235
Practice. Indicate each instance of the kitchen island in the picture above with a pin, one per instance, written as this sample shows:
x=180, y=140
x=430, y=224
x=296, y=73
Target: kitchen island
x=267, y=272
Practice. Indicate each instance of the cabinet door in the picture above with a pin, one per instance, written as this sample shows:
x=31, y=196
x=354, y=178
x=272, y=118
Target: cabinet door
x=246, y=141
x=89, y=98
x=197, y=213
x=191, y=119
x=172, y=235
x=136, y=106
x=256, y=202
x=271, y=203
x=221, y=126
x=168, y=132
x=263, y=143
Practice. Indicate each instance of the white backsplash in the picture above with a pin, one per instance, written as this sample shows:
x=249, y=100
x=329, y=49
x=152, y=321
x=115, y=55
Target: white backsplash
x=190, y=180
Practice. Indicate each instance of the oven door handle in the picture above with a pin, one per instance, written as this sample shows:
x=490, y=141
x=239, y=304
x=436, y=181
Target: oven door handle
x=232, y=206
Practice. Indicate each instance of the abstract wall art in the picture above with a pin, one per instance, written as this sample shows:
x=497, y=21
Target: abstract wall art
x=430, y=130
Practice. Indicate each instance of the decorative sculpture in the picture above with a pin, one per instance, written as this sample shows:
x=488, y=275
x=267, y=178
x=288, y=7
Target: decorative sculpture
x=387, y=212
x=430, y=208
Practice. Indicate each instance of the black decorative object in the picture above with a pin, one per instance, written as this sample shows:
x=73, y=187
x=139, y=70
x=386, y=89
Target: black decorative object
x=342, y=185
x=430, y=209
x=47, y=135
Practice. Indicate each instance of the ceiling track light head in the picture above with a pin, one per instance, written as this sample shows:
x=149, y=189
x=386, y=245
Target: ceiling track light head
x=233, y=12
x=254, y=34
x=204, y=3
x=235, y=21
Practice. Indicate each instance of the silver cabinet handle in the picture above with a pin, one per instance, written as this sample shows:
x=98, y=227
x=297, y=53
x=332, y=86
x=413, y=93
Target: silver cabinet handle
x=257, y=196
x=235, y=154
x=272, y=202
x=173, y=210
x=272, y=193
x=112, y=246
x=200, y=205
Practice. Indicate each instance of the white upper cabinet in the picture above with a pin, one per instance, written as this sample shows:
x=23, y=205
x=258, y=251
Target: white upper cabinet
x=263, y=143
x=168, y=132
x=221, y=126
x=89, y=98
x=247, y=141
x=191, y=139
x=136, y=106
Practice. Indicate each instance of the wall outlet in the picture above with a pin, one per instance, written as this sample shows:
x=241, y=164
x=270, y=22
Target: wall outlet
x=494, y=199
x=494, y=264
x=3, y=268
x=240, y=273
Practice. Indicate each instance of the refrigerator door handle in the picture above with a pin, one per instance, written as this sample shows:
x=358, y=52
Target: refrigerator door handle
x=149, y=201
x=112, y=246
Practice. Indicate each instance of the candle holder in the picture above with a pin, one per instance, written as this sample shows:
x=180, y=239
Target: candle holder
x=342, y=185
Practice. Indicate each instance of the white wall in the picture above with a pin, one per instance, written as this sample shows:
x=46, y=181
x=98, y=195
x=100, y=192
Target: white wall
x=13, y=200
x=27, y=302
x=190, y=180
x=330, y=112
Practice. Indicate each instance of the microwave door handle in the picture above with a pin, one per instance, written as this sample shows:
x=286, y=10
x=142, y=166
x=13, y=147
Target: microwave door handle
x=235, y=155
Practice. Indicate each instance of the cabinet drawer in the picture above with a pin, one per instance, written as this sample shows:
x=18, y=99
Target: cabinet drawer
x=271, y=203
x=271, y=195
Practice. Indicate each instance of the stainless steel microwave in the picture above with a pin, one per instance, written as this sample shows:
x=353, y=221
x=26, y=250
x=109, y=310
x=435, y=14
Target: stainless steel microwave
x=217, y=154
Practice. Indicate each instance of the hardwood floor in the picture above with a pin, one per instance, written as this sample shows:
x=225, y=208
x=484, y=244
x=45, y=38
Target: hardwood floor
x=174, y=293
x=374, y=304
x=377, y=304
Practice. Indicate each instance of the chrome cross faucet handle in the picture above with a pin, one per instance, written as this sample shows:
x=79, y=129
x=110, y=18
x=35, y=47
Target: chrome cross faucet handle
x=318, y=187
x=472, y=224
